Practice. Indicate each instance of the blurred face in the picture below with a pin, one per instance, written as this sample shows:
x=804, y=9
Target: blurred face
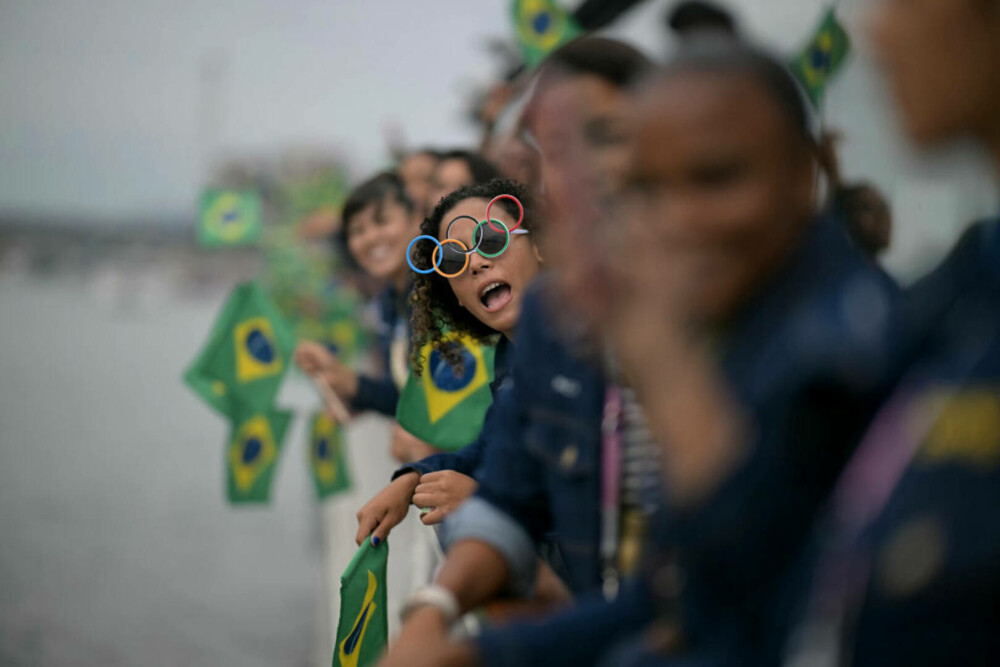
x=448, y=176
x=377, y=237
x=721, y=182
x=416, y=174
x=492, y=288
x=581, y=117
x=516, y=160
x=580, y=125
x=942, y=58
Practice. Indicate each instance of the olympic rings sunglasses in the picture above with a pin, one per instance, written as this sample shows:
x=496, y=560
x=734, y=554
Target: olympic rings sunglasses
x=451, y=256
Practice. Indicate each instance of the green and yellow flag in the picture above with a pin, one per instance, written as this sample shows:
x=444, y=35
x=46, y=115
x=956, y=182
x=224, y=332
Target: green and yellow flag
x=541, y=27
x=443, y=407
x=246, y=356
x=326, y=456
x=228, y=218
x=825, y=54
x=363, y=629
x=252, y=454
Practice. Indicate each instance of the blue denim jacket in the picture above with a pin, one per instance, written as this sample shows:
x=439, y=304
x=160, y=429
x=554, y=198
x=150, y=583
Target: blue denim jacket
x=540, y=473
x=810, y=359
x=381, y=393
x=933, y=552
x=467, y=459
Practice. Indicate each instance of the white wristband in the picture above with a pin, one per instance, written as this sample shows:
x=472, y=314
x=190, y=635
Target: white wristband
x=435, y=596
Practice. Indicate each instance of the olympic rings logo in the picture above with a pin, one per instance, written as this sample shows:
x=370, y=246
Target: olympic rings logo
x=451, y=256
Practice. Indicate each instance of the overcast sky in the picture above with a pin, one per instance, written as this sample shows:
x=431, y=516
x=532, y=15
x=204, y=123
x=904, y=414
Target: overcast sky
x=104, y=109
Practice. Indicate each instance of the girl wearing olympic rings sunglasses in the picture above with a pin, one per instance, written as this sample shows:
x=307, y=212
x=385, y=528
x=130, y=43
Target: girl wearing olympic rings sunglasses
x=471, y=292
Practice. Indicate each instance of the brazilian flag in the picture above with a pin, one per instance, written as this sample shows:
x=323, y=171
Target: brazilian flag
x=252, y=454
x=229, y=218
x=825, y=54
x=326, y=456
x=246, y=355
x=443, y=407
x=541, y=26
x=363, y=629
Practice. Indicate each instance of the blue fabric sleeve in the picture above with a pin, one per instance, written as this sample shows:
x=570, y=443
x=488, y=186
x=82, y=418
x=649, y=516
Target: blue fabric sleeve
x=380, y=395
x=579, y=636
x=478, y=520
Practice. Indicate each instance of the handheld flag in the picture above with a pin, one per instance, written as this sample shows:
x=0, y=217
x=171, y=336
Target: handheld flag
x=252, y=454
x=443, y=407
x=825, y=54
x=541, y=26
x=363, y=629
x=246, y=355
x=229, y=218
x=326, y=456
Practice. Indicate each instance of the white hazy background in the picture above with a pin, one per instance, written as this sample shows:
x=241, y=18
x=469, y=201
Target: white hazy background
x=115, y=109
x=116, y=547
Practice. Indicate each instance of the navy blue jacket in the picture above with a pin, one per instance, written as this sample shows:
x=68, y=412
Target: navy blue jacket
x=933, y=597
x=467, y=459
x=541, y=467
x=381, y=393
x=809, y=360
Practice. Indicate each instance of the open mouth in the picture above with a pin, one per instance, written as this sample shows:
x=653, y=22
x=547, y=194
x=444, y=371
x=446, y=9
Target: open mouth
x=495, y=295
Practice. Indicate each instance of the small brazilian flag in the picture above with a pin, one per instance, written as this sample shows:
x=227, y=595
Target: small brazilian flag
x=443, y=407
x=326, y=456
x=823, y=57
x=541, y=27
x=229, y=217
x=363, y=629
x=252, y=454
x=246, y=355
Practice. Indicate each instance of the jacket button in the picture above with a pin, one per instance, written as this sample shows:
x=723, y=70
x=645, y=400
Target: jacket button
x=568, y=457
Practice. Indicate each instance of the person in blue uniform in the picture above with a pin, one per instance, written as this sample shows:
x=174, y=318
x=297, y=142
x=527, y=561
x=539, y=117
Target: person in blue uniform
x=439, y=304
x=798, y=323
x=909, y=573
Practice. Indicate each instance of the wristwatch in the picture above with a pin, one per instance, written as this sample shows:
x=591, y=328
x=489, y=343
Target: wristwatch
x=435, y=596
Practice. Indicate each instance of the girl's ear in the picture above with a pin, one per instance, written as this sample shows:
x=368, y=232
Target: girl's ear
x=538, y=253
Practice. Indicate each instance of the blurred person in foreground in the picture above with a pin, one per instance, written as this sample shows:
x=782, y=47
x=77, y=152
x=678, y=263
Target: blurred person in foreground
x=556, y=500
x=735, y=312
x=910, y=569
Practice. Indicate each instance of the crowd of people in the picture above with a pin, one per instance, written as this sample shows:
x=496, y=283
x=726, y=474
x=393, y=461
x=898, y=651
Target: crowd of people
x=720, y=432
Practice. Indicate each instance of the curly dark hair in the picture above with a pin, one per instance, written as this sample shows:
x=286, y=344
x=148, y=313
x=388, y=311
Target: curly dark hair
x=435, y=308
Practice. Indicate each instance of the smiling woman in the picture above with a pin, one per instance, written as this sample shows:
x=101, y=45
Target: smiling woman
x=484, y=299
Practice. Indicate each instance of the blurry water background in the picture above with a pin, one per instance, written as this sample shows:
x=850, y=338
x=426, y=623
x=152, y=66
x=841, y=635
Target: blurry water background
x=116, y=544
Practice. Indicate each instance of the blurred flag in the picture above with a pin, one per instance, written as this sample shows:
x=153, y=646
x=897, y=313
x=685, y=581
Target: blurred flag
x=541, y=26
x=246, y=355
x=326, y=456
x=252, y=454
x=229, y=217
x=820, y=61
x=363, y=629
x=443, y=407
